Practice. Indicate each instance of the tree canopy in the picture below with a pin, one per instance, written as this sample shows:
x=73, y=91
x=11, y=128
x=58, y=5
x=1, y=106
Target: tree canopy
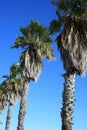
x=66, y=9
x=35, y=43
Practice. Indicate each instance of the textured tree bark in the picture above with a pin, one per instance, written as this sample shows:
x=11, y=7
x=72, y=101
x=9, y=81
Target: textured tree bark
x=9, y=114
x=23, y=104
x=68, y=101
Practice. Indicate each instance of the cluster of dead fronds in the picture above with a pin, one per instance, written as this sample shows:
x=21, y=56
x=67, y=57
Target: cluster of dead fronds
x=72, y=43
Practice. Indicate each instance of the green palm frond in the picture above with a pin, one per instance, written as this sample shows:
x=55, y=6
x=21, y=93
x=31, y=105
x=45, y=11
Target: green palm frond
x=66, y=10
x=55, y=26
x=20, y=41
x=5, y=76
x=45, y=50
x=37, y=36
x=70, y=7
x=15, y=70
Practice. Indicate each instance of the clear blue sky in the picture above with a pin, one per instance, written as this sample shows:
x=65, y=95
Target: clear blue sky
x=44, y=100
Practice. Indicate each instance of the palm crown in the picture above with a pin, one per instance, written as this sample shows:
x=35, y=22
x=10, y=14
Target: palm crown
x=35, y=41
x=38, y=36
x=13, y=84
x=72, y=40
x=67, y=9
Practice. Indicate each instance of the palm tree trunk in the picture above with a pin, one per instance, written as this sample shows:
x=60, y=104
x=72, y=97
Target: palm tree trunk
x=23, y=104
x=68, y=101
x=9, y=114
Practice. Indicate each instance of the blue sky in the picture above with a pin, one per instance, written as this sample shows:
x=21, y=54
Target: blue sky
x=44, y=100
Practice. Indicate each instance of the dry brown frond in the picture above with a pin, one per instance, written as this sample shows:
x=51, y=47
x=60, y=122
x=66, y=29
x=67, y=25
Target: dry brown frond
x=72, y=43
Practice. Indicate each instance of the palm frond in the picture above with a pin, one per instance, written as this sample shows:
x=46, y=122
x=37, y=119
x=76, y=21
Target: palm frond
x=70, y=7
x=15, y=70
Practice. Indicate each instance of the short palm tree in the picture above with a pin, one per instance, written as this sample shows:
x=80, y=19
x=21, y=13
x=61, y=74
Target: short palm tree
x=72, y=43
x=34, y=41
x=13, y=85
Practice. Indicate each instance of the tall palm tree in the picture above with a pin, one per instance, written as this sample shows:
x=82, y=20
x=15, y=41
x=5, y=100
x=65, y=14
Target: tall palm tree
x=72, y=43
x=34, y=41
x=13, y=83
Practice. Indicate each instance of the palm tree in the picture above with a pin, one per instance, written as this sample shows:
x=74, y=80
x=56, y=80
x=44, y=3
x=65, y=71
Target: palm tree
x=72, y=43
x=13, y=83
x=34, y=41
